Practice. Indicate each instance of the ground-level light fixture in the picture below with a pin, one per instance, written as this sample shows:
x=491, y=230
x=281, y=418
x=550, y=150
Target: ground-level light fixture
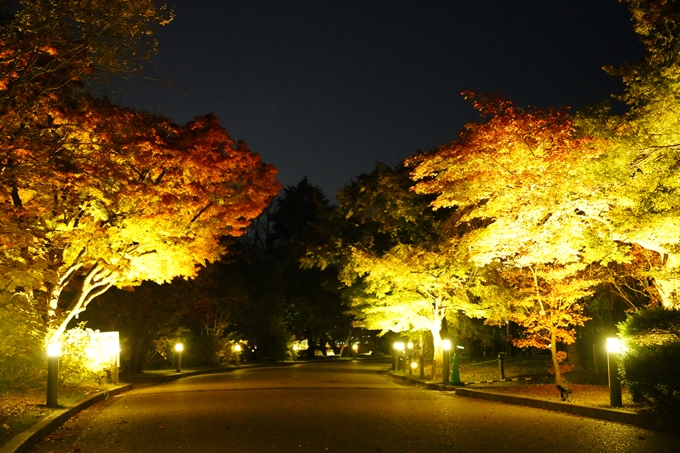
x=613, y=352
x=237, y=350
x=398, y=347
x=53, y=355
x=446, y=345
x=613, y=345
x=179, y=347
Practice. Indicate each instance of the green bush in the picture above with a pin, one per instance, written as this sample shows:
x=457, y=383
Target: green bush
x=22, y=356
x=651, y=364
x=78, y=364
x=652, y=373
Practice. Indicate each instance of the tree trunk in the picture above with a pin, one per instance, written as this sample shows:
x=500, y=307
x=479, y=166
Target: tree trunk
x=437, y=355
x=349, y=337
x=669, y=289
x=97, y=281
x=553, y=352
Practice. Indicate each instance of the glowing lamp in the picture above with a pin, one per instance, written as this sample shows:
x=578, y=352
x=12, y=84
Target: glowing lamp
x=399, y=345
x=179, y=347
x=54, y=350
x=237, y=348
x=446, y=345
x=414, y=365
x=410, y=345
x=355, y=347
x=613, y=345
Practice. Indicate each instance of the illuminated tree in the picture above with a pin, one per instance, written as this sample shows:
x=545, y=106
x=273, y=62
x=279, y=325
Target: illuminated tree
x=402, y=274
x=637, y=172
x=513, y=178
x=48, y=49
x=132, y=197
x=411, y=288
x=548, y=303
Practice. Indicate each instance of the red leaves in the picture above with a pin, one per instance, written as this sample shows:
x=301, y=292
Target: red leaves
x=515, y=149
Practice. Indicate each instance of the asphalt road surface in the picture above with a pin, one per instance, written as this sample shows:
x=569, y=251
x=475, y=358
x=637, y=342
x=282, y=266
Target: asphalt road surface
x=348, y=407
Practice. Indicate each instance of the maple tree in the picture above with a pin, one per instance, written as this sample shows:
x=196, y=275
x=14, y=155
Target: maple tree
x=548, y=303
x=637, y=171
x=134, y=197
x=47, y=50
x=400, y=273
x=516, y=180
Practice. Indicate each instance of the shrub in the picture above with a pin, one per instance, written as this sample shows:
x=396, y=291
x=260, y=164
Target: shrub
x=78, y=364
x=651, y=365
x=22, y=356
x=651, y=373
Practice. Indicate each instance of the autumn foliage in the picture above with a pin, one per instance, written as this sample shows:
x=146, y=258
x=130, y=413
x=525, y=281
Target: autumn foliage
x=96, y=195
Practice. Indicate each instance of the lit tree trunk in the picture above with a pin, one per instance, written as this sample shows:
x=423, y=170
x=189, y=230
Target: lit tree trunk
x=97, y=281
x=555, y=360
x=64, y=279
x=437, y=354
x=669, y=289
x=435, y=327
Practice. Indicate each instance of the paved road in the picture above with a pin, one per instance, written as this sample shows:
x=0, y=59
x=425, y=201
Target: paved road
x=347, y=407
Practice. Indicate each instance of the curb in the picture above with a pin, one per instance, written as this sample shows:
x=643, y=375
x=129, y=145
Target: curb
x=646, y=421
x=23, y=442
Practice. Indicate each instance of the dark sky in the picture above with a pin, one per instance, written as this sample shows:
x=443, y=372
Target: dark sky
x=325, y=88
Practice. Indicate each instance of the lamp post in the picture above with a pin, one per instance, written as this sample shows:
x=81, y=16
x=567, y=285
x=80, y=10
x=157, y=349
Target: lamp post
x=53, y=355
x=613, y=351
x=446, y=346
x=237, y=350
x=398, y=350
x=179, y=347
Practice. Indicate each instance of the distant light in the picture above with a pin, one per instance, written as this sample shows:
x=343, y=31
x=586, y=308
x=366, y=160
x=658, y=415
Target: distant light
x=355, y=346
x=414, y=365
x=179, y=347
x=613, y=345
x=446, y=345
x=237, y=347
x=399, y=345
x=460, y=347
x=410, y=345
x=296, y=347
x=54, y=350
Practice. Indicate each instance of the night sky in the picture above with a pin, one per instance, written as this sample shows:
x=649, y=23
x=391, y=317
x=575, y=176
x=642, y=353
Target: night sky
x=325, y=88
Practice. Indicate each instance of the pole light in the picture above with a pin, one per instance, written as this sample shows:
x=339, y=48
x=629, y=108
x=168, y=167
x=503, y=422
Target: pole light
x=53, y=355
x=613, y=352
x=398, y=350
x=237, y=350
x=446, y=346
x=179, y=347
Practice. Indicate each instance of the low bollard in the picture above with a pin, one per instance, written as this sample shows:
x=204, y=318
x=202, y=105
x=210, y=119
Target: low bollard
x=501, y=369
x=53, y=356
